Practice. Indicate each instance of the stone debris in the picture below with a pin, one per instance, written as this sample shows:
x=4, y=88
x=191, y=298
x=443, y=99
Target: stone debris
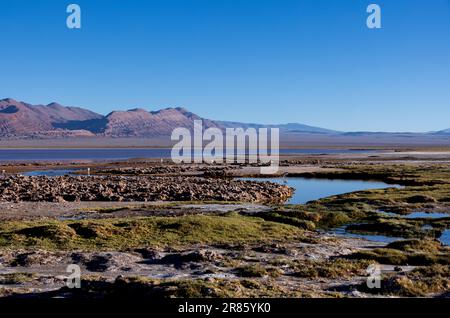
x=144, y=188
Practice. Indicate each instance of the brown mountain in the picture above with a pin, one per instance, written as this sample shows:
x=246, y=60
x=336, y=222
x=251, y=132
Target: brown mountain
x=23, y=120
x=141, y=123
x=20, y=119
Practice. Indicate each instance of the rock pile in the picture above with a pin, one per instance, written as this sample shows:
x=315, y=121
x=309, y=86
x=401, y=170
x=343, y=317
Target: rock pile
x=144, y=188
x=145, y=171
x=206, y=171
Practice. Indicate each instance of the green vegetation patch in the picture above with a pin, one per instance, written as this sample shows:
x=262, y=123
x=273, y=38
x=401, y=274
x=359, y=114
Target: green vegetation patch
x=420, y=282
x=16, y=278
x=408, y=252
x=391, y=227
x=332, y=269
x=124, y=233
x=251, y=271
x=310, y=217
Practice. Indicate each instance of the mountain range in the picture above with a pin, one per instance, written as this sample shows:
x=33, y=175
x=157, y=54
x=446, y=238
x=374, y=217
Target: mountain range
x=23, y=120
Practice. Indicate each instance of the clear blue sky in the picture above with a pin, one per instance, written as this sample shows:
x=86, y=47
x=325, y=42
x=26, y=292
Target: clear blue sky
x=277, y=61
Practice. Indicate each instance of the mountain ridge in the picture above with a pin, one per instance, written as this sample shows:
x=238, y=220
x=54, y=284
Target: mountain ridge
x=21, y=119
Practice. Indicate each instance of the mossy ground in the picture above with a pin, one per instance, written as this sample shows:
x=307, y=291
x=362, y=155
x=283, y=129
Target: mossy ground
x=420, y=282
x=331, y=269
x=394, y=227
x=253, y=271
x=16, y=278
x=408, y=252
x=123, y=233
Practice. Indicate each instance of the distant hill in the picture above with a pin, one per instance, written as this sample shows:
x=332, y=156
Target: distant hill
x=443, y=132
x=20, y=119
x=284, y=128
x=142, y=123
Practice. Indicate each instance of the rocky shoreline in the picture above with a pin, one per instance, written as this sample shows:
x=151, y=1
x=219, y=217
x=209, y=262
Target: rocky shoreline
x=144, y=189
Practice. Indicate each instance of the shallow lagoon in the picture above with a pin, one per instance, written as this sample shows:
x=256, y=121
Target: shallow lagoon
x=313, y=189
x=72, y=154
x=307, y=189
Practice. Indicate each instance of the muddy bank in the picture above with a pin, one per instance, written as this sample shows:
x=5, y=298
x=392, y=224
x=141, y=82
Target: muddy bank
x=67, y=188
x=97, y=210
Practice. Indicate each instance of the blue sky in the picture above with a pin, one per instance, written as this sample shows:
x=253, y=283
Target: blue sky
x=277, y=61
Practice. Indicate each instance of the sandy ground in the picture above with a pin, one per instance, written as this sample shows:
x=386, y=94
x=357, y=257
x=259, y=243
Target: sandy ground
x=96, y=210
